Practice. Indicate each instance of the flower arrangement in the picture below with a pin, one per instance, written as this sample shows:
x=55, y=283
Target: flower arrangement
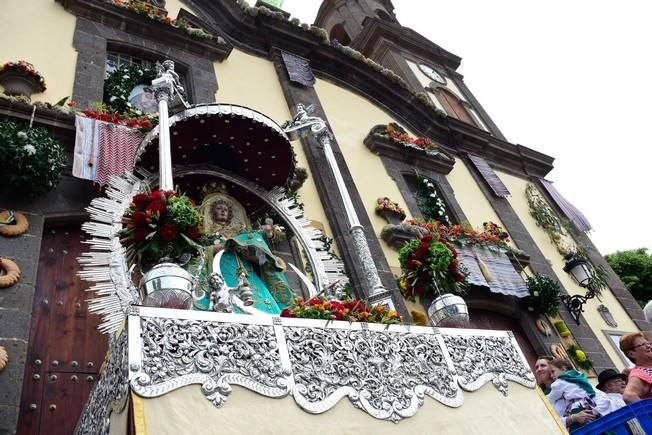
x=26, y=68
x=351, y=310
x=31, y=161
x=495, y=230
x=428, y=265
x=384, y=204
x=579, y=357
x=157, y=14
x=119, y=84
x=160, y=224
x=399, y=135
x=546, y=218
x=431, y=205
x=544, y=295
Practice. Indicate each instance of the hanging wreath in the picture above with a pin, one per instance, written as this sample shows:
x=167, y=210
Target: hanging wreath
x=120, y=83
x=9, y=273
x=30, y=160
x=16, y=227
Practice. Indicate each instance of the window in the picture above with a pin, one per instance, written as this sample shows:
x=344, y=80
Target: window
x=454, y=107
x=429, y=199
x=614, y=339
x=116, y=60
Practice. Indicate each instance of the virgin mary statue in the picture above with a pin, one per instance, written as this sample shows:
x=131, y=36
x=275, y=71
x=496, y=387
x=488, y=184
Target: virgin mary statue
x=245, y=252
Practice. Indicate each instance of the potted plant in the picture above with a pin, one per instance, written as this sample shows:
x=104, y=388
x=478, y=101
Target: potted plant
x=544, y=295
x=21, y=78
x=31, y=161
x=391, y=211
x=429, y=267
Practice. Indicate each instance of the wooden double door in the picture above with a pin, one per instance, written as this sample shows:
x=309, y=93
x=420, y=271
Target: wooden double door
x=65, y=350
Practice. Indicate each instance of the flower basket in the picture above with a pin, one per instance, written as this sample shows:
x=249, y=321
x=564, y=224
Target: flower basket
x=390, y=211
x=544, y=295
x=21, y=79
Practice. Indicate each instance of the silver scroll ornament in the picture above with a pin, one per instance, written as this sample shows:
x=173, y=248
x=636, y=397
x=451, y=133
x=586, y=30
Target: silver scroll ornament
x=386, y=374
x=110, y=393
x=176, y=353
x=480, y=359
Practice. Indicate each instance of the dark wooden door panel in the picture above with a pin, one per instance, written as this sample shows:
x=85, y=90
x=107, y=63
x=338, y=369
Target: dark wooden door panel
x=483, y=319
x=65, y=349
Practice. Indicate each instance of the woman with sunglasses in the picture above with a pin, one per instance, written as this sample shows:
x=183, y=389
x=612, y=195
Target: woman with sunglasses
x=639, y=350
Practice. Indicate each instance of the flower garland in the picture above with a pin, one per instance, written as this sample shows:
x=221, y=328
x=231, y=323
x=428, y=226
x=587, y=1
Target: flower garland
x=160, y=224
x=121, y=82
x=493, y=237
x=399, y=135
x=431, y=205
x=28, y=69
x=143, y=123
x=156, y=14
x=31, y=161
x=430, y=267
x=385, y=204
x=351, y=310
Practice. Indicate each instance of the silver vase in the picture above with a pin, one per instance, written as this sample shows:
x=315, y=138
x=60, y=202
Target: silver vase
x=449, y=311
x=167, y=285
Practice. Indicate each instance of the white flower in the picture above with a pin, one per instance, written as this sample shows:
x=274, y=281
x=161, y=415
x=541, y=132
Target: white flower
x=535, y=294
x=112, y=99
x=22, y=135
x=29, y=149
x=125, y=77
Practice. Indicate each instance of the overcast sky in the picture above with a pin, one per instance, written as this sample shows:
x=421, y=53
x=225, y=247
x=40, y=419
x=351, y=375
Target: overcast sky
x=567, y=78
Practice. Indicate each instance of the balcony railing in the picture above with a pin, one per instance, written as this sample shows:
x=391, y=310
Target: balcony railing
x=630, y=419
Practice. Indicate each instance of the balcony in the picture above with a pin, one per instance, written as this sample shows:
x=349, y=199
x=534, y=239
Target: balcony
x=264, y=374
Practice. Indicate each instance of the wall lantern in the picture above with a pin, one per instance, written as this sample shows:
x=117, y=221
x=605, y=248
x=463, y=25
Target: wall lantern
x=581, y=272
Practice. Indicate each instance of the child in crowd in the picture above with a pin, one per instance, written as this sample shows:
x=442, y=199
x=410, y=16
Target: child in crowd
x=571, y=392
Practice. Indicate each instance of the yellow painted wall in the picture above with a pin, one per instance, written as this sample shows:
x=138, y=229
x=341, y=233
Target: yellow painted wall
x=252, y=81
x=41, y=32
x=173, y=7
x=485, y=411
x=518, y=202
x=351, y=118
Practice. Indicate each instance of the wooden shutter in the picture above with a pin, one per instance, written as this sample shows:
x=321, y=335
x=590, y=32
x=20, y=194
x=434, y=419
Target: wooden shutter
x=497, y=186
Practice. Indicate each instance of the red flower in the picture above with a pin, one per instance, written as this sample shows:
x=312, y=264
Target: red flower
x=168, y=232
x=139, y=236
x=193, y=233
x=157, y=206
x=139, y=219
x=287, y=313
x=140, y=201
x=313, y=302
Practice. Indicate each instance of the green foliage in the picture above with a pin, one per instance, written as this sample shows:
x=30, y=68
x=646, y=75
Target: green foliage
x=30, y=160
x=562, y=328
x=430, y=204
x=634, y=267
x=122, y=81
x=579, y=357
x=544, y=295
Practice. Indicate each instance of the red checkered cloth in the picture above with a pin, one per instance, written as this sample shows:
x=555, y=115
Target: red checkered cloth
x=118, y=145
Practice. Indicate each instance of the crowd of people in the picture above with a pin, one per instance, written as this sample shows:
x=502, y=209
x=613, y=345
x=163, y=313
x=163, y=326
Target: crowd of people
x=578, y=403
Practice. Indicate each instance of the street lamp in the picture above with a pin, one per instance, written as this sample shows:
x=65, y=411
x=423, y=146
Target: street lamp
x=580, y=270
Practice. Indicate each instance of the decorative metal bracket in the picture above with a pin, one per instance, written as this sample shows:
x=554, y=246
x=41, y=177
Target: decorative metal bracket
x=575, y=303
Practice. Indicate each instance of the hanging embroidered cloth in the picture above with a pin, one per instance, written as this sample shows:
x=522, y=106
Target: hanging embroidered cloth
x=103, y=149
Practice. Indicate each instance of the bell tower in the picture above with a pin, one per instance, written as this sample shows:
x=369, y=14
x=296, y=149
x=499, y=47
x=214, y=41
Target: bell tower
x=343, y=19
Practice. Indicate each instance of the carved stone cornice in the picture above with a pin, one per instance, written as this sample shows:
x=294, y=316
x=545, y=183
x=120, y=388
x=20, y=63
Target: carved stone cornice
x=377, y=33
x=134, y=24
x=435, y=160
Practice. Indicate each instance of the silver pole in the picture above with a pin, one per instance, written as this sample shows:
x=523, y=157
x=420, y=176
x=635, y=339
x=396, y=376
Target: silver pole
x=303, y=125
x=164, y=90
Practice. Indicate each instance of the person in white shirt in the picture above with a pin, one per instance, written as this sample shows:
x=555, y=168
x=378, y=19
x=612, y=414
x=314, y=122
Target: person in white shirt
x=612, y=384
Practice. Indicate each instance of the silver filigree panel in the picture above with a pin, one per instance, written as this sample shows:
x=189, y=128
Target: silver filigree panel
x=479, y=359
x=386, y=374
x=178, y=352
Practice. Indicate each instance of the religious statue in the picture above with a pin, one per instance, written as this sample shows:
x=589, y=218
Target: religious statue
x=247, y=260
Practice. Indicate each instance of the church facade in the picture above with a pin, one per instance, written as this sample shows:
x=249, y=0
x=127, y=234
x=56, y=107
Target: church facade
x=410, y=144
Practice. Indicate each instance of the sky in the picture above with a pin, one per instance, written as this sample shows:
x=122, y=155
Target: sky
x=566, y=78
